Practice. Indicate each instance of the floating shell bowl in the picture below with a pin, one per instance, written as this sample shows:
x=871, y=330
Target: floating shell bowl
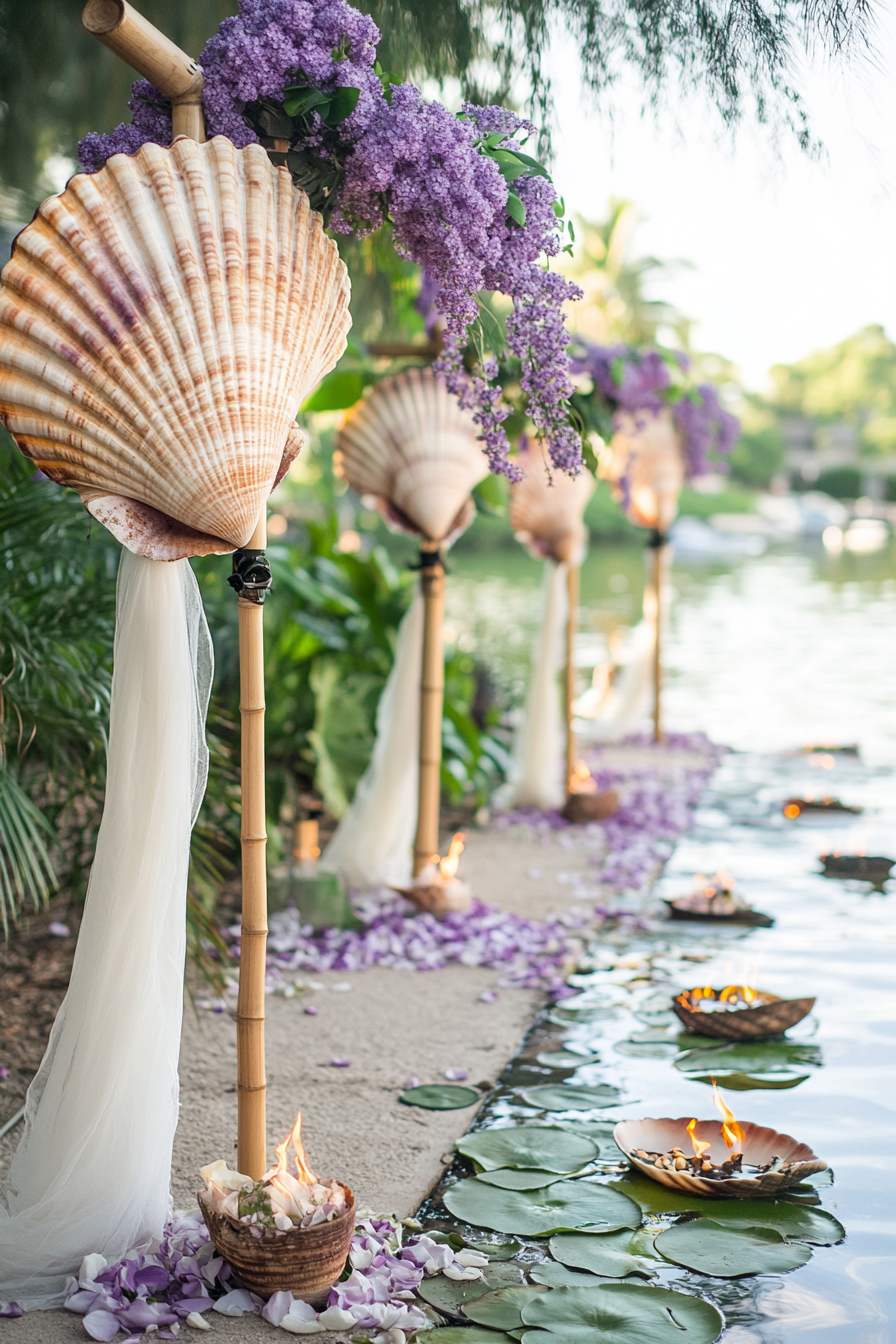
x=306, y=1261
x=772, y=1017
x=580, y=808
x=161, y=322
x=760, y=1145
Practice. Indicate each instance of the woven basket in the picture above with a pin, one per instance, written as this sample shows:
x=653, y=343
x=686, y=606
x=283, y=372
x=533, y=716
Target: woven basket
x=305, y=1261
x=772, y=1017
x=580, y=808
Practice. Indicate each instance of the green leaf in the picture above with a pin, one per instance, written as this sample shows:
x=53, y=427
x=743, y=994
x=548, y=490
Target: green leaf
x=506, y=1178
x=448, y=1296
x=440, y=1096
x=613, y=1255
x=501, y=1309
x=558, y=1276
x=497, y=1250
x=798, y=1222
x=515, y=209
x=559, y=208
x=533, y=167
x=730, y=1252
x=26, y=870
x=303, y=100
x=621, y=1313
x=528, y=1147
x=336, y=392
x=342, y=104
x=745, y=1082
x=465, y=1334
x=761, y=1057
x=563, y=1097
x=562, y=1207
x=565, y=1059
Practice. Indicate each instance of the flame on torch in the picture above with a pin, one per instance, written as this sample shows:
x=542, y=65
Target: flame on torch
x=449, y=865
x=731, y=1130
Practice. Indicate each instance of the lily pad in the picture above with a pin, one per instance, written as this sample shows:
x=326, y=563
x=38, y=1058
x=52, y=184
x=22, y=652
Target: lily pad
x=797, y=1222
x=565, y=1014
x=565, y=1206
x=746, y=1082
x=439, y=1096
x=612, y=1255
x=730, y=1252
x=560, y=1097
x=753, y=1058
x=507, y=1178
x=565, y=1059
x=533, y=1147
x=501, y=1309
x=621, y=1313
x=466, y=1334
x=448, y=1296
x=497, y=1250
x=646, y=1049
x=559, y=1276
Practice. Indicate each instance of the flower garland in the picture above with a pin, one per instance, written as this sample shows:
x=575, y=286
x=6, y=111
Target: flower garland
x=626, y=379
x=464, y=200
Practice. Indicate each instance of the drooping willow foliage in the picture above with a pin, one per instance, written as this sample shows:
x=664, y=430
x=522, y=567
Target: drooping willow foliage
x=57, y=82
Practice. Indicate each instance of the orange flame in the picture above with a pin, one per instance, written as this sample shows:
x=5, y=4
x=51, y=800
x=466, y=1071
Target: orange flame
x=699, y=1146
x=580, y=780
x=731, y=1130
x=303, y=1171
x=451, y=862
x=792, y=810
x=733, y=992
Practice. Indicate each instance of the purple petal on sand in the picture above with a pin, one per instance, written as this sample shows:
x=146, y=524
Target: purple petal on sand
x=10, y=1310
x=340, y=1063
x=101, y=1325
x=456, y=1075
x=240, y=1302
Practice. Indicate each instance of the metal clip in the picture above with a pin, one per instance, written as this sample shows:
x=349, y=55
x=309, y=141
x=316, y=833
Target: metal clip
x=251, y=577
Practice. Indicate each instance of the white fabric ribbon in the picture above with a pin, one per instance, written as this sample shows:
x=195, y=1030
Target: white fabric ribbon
x=372, y=844
x=92, y=1171
x=538, y=750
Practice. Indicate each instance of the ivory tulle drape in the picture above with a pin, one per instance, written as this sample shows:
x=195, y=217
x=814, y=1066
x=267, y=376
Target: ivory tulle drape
x=372, y=844
x=92, y=1171
x=538, y=779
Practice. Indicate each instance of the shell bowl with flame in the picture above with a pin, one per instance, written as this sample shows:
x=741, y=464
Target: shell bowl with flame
x=761, y=1017
x=759, y=1146
x=305, y=1261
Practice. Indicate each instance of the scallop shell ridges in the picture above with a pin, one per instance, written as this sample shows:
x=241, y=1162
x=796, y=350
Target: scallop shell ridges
x=546, y=512
x=161, y=322
x=412, y=448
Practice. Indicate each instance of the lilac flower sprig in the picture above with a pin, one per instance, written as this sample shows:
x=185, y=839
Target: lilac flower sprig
x=465, y=201
x=627, y=379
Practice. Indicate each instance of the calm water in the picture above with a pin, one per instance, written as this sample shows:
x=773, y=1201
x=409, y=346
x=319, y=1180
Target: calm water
x=782, y=650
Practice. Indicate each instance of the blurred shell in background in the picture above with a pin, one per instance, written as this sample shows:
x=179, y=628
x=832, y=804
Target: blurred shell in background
x=645, y=465
x=547, y=509
x=415, y=454
x=161, y=322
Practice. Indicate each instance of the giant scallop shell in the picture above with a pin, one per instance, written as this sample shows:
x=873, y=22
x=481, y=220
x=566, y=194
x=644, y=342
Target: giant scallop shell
x=547, y=509
x=161, y=322
x=411, y=448
x=645, y=465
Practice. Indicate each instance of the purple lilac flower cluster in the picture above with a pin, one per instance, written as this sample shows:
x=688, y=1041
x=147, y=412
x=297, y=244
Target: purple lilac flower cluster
x=158, y=1292
x=632, y=380
x=432, y=174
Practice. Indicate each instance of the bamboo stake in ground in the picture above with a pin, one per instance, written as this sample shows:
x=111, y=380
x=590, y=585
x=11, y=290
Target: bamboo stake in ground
x=572, y=607
x=432, y=692
x=658, y=550
x=251, y=1085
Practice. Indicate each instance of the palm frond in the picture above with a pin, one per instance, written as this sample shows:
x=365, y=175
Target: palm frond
x=27, y=875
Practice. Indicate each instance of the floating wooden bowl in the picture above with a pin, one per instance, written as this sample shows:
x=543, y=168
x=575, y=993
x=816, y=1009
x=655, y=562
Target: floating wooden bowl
x=771, y=1017
x=754, y=918
x=868, y=867
x=817, y=805
x=760, y=1145
x=305, y=1261
x=581, y=808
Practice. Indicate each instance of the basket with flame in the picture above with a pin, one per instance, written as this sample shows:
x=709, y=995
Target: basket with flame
x=738, y=1012
x=714, y=899
x=437, y=888
x=685, y=1154
x=289, y=1231
x=585, y=802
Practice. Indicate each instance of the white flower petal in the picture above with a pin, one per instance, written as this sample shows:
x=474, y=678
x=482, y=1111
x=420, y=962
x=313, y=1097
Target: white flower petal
x=197, y=1322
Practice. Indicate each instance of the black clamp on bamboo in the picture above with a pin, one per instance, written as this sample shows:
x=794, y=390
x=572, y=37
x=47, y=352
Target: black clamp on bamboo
x=251, y=576
x=429, y=559
x=657, y=540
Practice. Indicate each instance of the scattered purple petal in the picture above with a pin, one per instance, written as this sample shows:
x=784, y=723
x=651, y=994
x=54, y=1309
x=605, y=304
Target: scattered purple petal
x=4, y=1071
x=59, y=930
x=489, y=996
x=310, y=1010
x=412, y=1081
x=456, y=1075
x=337, y=1063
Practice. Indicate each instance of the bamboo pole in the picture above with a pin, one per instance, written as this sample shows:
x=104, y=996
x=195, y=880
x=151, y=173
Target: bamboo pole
x=432, y=694
x=658, y=548
x=251, y=1084
x=125, y=31
x=572, y=607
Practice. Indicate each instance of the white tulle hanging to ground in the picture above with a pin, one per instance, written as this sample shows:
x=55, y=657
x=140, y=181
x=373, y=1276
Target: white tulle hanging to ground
x=621, y=699
x=538, y=750
x=372, y=844
x=93, y=1168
